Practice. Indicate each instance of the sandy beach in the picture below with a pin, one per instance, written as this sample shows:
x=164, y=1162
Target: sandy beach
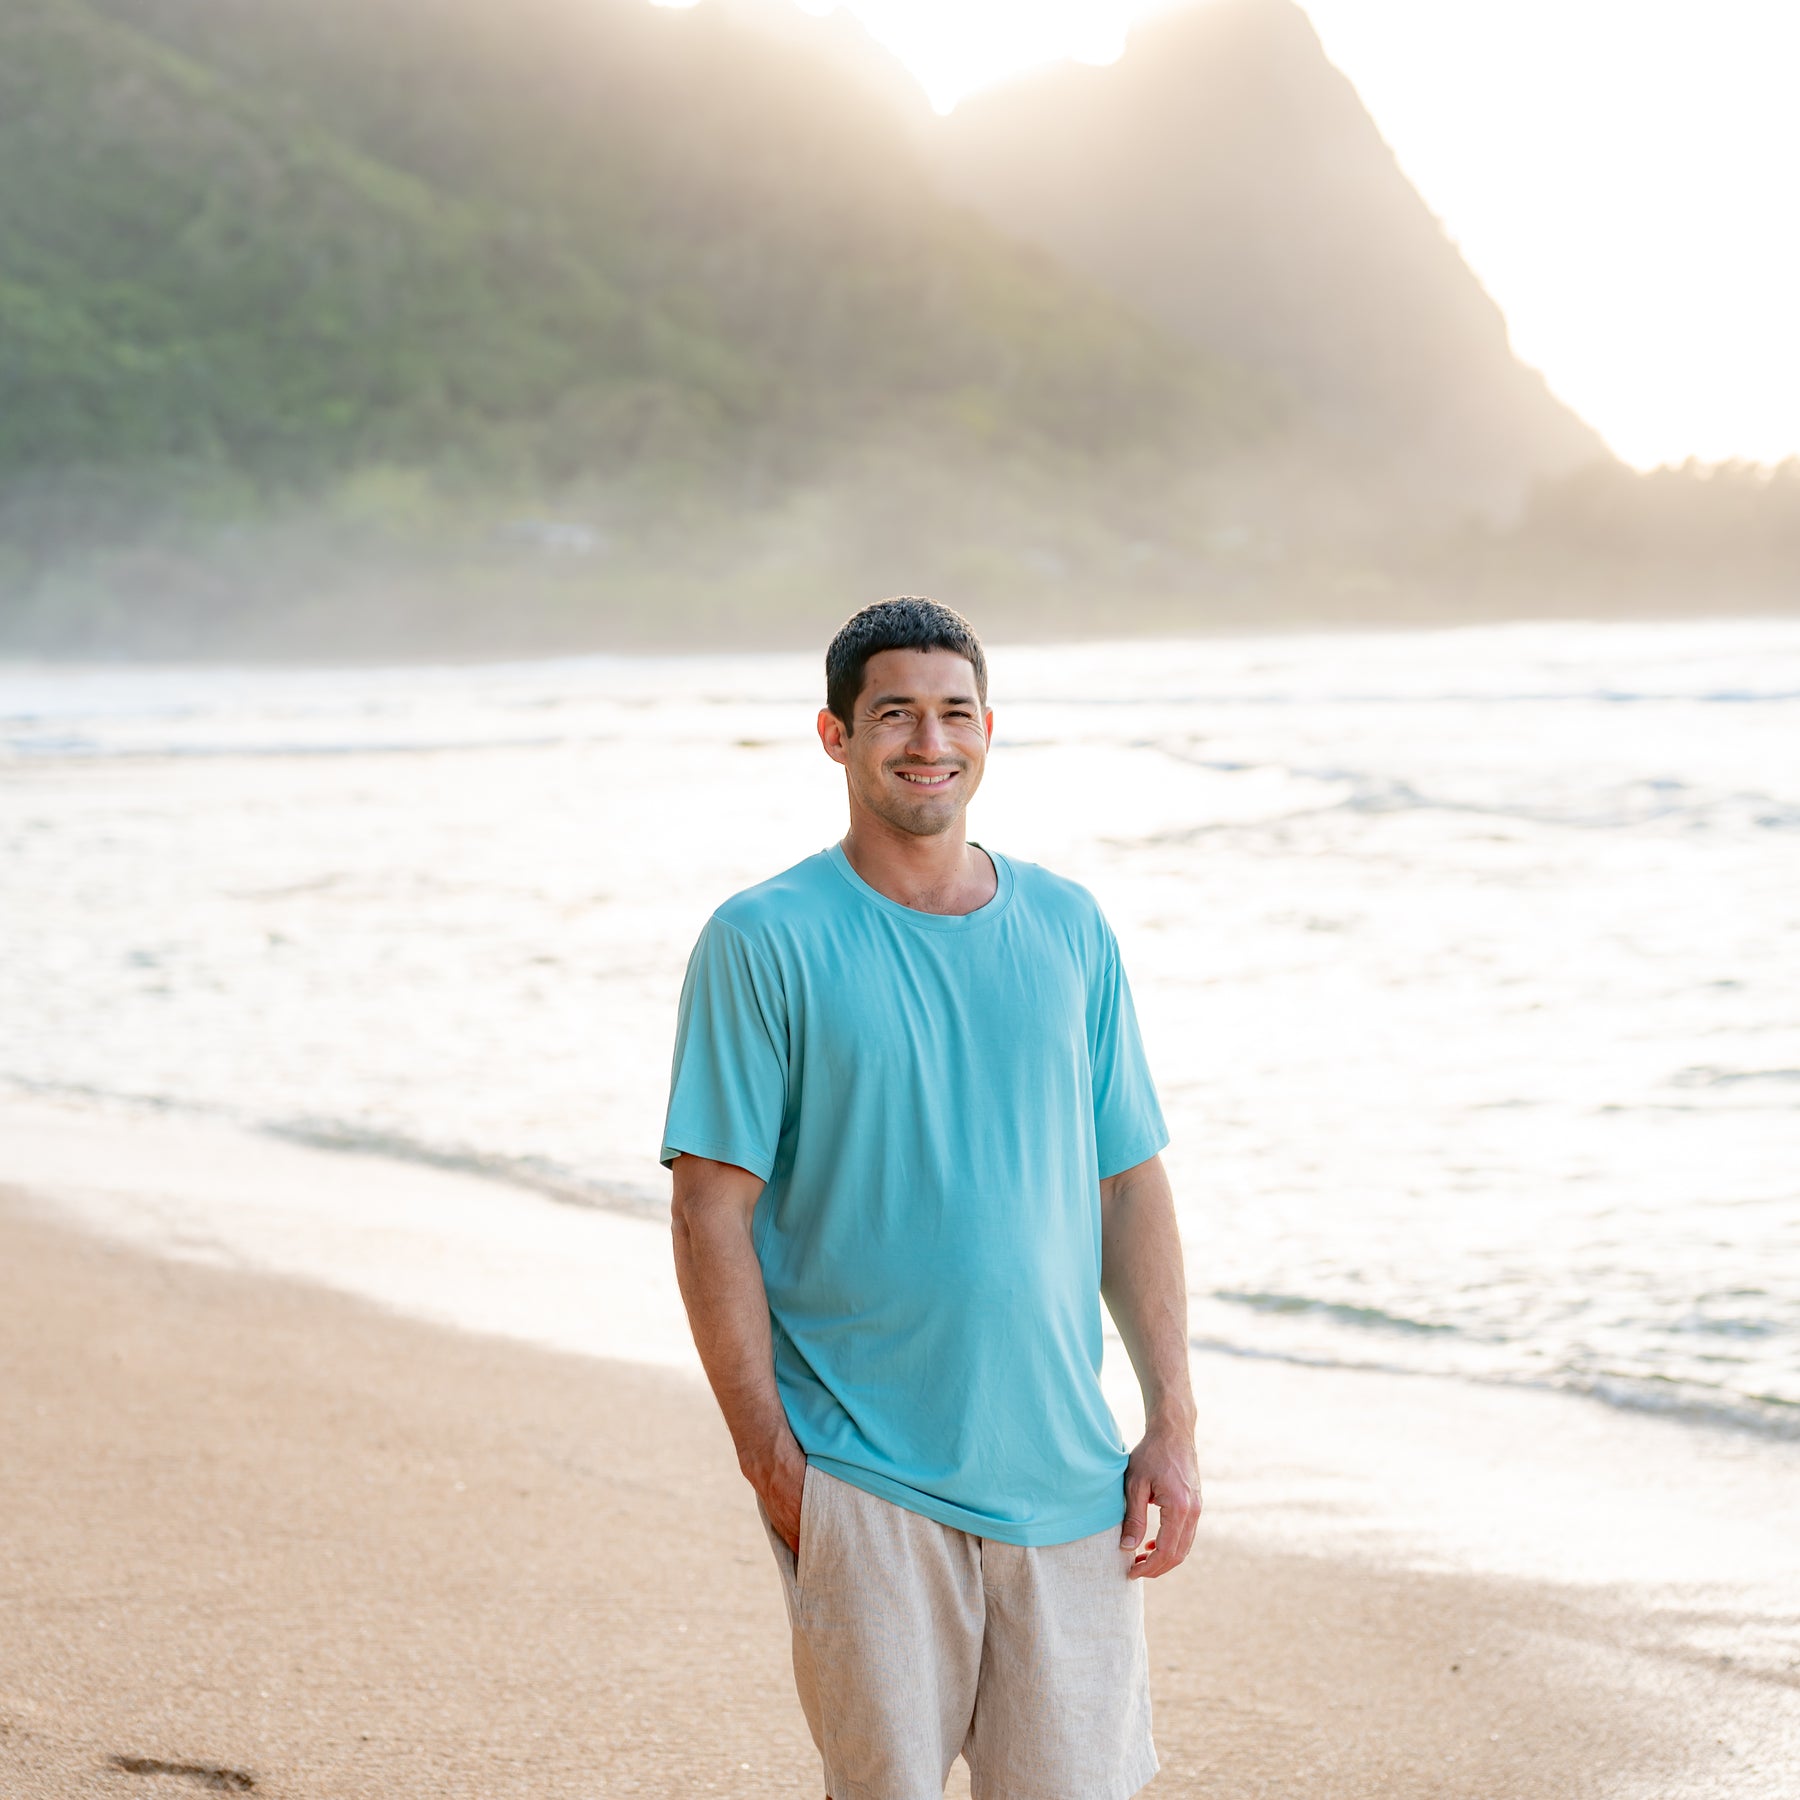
x=264, y=1537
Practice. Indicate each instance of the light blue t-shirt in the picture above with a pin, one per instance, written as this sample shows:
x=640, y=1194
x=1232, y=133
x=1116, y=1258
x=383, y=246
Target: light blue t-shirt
x=932, y=1102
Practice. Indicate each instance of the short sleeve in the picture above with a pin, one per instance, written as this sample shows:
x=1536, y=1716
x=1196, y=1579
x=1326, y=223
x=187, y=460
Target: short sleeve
x=728, y=1088
x=1128, y=1120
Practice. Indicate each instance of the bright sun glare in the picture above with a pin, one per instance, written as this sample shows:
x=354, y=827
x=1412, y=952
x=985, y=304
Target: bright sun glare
x=953, y=49
x=1619, y=173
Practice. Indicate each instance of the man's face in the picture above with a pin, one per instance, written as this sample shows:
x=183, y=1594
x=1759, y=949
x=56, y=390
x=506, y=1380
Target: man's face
x=916, y=755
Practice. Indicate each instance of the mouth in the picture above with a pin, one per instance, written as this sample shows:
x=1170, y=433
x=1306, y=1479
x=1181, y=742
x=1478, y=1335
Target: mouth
x=928, y=778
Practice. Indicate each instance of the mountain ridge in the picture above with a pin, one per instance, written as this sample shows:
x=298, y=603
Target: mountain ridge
x=1223, y=177
x=350, y=326
x=377, y=279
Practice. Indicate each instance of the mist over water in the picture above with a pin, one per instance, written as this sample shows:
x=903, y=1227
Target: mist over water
x=1466, y=960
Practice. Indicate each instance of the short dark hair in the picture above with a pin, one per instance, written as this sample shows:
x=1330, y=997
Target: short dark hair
x=909, y=622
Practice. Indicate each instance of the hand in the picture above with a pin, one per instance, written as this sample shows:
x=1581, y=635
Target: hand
x=780, y=1483
x=1164, y=1472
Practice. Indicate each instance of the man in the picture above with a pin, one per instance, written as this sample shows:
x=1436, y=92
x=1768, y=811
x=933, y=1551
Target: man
x=914, y=1143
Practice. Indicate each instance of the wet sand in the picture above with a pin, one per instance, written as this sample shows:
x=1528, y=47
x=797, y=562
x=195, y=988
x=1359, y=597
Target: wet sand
x=260, y=1537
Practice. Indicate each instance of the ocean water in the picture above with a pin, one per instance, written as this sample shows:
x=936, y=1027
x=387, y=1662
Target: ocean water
x=1469, y=962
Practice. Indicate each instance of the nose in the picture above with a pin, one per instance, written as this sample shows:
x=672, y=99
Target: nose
x=927, y=739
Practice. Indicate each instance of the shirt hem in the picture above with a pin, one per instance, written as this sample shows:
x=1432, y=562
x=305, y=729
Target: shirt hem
x=1155, y=1143
x=717, y=1151
x=1036, y=1534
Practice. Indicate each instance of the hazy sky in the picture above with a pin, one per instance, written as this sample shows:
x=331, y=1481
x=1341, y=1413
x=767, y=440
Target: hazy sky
x=1624, y=175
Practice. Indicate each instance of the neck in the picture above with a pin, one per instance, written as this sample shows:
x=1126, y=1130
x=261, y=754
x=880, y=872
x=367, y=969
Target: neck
x=941, y=874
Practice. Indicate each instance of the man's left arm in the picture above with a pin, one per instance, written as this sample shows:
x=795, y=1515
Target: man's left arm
x=1145, y=1288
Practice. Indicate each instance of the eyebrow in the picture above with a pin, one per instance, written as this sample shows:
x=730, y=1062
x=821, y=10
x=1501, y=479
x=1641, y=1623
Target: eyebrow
x=881, y=700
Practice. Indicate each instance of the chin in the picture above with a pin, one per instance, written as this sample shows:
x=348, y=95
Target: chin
x=921, y=821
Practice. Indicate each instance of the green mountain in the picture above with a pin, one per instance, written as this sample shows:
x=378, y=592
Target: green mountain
x=402, y=327
x=392, y=279
x=1226, y=180
x=289, y=232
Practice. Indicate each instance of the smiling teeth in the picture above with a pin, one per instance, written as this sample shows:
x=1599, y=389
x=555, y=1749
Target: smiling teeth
x=925, y=780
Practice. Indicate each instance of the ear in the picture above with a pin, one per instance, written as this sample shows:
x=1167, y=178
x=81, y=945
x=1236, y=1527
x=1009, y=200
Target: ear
x=833, y=735
x=988, y=721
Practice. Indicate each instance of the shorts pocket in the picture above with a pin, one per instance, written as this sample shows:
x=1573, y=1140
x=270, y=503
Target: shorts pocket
x=811, y=1491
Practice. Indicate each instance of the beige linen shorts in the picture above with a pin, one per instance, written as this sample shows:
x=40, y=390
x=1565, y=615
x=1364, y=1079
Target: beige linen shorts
x=913, y=1641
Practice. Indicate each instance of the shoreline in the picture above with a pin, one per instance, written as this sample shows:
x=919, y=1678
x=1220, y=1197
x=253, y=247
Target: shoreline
x=1647, y=1567
x=316, y=973
x=1419, y=1470
x=266, y=1530
x=16, y=659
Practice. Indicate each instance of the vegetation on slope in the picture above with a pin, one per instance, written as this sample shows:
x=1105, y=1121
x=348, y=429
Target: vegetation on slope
x=410, y=266
x=402, y=326
x=1719, y=537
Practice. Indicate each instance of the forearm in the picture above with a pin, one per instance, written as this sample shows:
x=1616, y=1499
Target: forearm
x=1144, y=1284
x=728, y=1311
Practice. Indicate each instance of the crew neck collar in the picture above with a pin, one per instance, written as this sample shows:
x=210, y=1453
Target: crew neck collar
x=928, y=921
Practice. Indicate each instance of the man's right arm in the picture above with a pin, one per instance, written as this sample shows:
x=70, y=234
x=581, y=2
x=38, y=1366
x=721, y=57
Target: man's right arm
x=728, y=1310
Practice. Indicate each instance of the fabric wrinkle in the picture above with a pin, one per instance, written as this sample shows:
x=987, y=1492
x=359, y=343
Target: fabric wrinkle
x=916, y=1642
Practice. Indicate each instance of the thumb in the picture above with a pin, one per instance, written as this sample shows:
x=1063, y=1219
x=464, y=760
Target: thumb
x=1137, y=1508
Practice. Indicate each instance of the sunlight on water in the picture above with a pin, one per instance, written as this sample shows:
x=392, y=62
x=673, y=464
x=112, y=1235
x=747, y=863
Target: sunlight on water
x=1466, y=960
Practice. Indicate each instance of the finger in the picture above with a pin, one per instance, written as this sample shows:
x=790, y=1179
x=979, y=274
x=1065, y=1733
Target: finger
x=1160, y=1562
x=1162, y=1551
x=1137, y=1512
x=1190, y=1531
x=1176, y=1525
x=1181, y=1526
x=1150, y=1556
x=1190, y=1528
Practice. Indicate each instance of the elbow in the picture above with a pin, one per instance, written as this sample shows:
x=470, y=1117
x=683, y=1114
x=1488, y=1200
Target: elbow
x=681, y=1224
x=707, y=1210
